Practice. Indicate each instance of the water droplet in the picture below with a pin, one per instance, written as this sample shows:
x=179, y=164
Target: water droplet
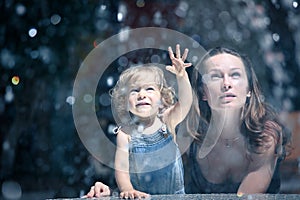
x=295, y=4
x=122, y=12
x=155, y=58
x=275, y=37
x=104, y=99
x=55, y=19
x=87, y=98
x=70, y=100
x=123, y=61
x=32, y=32
x=110, y=81
x=182, y=9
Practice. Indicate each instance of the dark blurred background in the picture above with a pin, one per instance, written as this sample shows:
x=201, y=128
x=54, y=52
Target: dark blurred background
x=44, y=42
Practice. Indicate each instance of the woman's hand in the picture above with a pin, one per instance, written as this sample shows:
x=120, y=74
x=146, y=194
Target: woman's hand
x=98, y=190
x=131, y=194
x=178, y=65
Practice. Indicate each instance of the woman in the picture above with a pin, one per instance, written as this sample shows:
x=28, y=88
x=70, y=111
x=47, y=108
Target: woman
x=238, y=139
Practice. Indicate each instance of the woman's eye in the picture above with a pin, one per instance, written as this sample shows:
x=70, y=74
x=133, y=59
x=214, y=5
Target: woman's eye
x=236, y=75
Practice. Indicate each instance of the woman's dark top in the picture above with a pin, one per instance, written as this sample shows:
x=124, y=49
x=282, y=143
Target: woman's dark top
x=196, y=182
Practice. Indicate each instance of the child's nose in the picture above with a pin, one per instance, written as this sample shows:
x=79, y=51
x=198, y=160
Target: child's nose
x=142, y=94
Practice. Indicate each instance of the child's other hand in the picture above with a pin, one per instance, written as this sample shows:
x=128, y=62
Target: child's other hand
x=98, y=190
x=178, y=65
x=131, y=194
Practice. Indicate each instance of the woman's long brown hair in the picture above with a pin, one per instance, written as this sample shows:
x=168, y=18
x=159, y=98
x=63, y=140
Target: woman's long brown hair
x=258, y=118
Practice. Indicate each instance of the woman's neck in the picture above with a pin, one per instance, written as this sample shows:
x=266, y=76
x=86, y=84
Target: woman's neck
x=224, y=125
x=226, y=121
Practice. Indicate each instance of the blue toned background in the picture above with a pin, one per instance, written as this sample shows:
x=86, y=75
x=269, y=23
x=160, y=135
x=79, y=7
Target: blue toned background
x=43, y=44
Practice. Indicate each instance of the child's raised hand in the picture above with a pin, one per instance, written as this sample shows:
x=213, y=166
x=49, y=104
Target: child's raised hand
x=178, y=65
x=132, y=194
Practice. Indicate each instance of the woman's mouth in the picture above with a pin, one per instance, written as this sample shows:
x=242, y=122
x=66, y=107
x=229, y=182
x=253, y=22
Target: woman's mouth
x=227, y=97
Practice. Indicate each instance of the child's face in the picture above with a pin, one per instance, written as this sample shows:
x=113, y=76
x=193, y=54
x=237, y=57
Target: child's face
x=144, y=97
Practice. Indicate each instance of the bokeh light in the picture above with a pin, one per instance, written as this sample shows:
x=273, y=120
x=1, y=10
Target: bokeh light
x=295, y=4
x=11, y=190
x=20, y=9
x=15, y=80
x=9, y=95
x=32, y=32
x=55, y=19
x=70, y=100
x=140, y=3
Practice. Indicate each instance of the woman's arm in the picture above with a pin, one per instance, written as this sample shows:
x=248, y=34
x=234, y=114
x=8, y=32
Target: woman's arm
x=259, y=177
x=262, y=165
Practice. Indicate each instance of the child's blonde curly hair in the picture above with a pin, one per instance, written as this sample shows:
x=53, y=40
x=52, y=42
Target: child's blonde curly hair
x=120, y=92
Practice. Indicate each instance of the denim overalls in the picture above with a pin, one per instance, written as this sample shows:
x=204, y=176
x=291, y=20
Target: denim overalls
x=155, y=163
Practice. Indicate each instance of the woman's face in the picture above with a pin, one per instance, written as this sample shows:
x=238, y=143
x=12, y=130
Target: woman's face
x=225, y=82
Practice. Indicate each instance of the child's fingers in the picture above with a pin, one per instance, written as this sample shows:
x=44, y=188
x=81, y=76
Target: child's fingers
x=101, y=189
x=177, y=51
x=131, y=195
x=90, y=194
x=141, y=195
x=185, y=53
x=171, y=69
x=171, y=54
x=124, y=195
x=187, y=64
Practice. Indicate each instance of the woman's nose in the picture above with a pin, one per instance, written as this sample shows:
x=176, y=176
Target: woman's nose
x=226, y=83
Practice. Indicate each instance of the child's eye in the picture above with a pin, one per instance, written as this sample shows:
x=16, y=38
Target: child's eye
x=134, y=90
x=215, y=76
x=150, y=88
